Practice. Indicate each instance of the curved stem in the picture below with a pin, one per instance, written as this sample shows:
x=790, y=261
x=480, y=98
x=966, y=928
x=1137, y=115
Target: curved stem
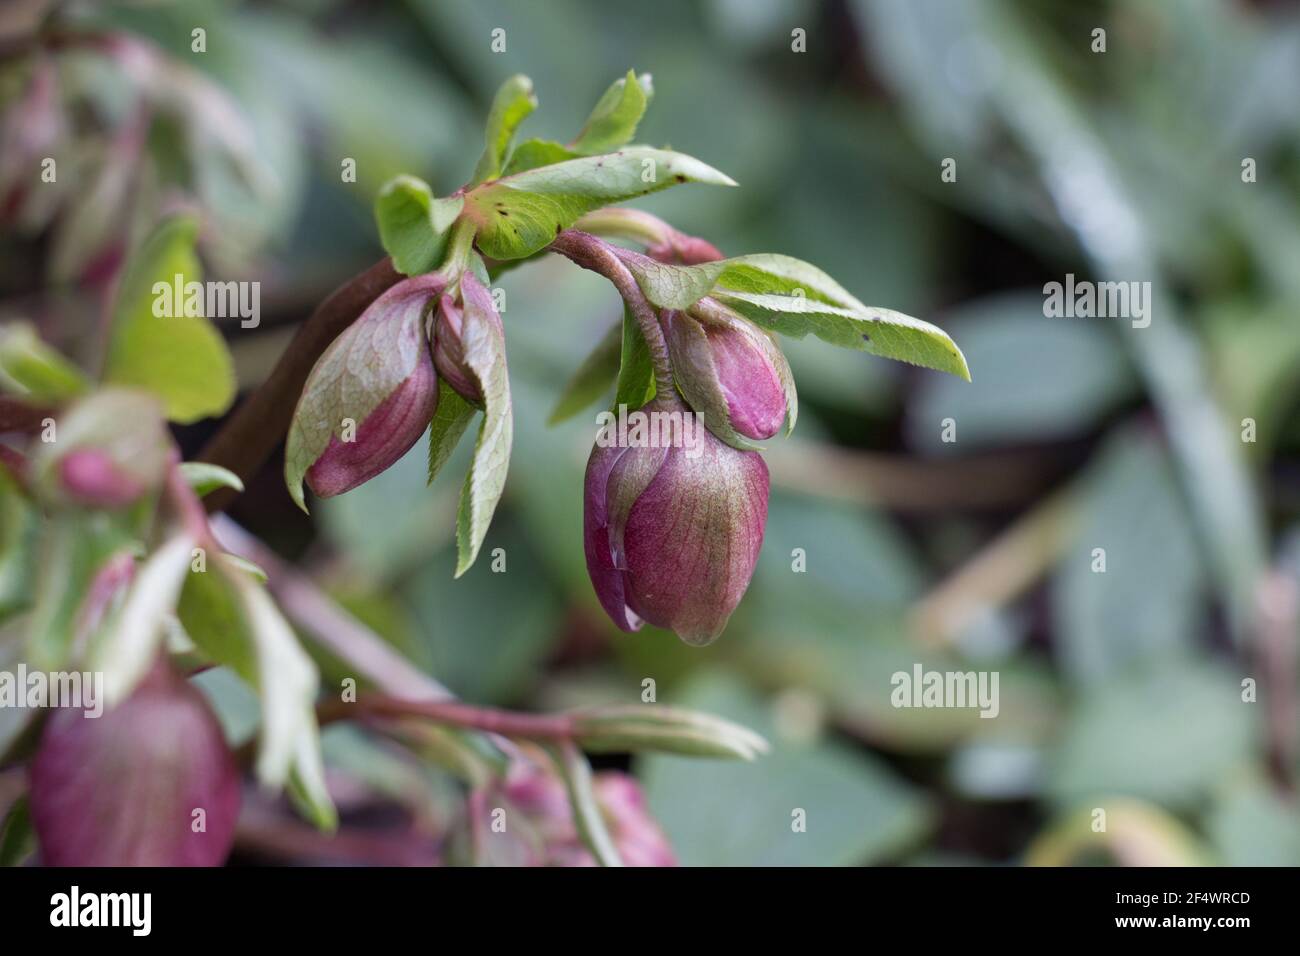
x=504, y=722
x=595, y=254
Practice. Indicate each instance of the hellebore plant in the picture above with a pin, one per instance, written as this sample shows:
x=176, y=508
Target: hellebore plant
x=671, y=538
x=109, y=562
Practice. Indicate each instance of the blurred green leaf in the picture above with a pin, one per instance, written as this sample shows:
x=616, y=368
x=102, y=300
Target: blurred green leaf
x=1167, y=734
x=17, y=838
x=1150, y=602
x=1251, y=824
x=748, y=814
x=30, y=368
x=178, y=356
x=1039, y=379
x=205, y=478
x=489, y=632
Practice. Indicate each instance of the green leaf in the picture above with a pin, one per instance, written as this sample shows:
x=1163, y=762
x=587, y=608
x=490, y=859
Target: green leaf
x=882, y=332
x=450, y=420
x=287, y=681
x=413, y=225
x=592, y=378
x=485, y=354
x=786, y=295
x=514, y=101
x=640, y=727
x=611, y=124
x=355, y=375
x=614, y=120
x=205, y=478
x=1168, y=734
x=178, y=355
x=19, y=527
x=30, y=368
x=1151, y=600
x=71, y=548
x=1040, y=379
x=520, y=214
x=232, y=619
x=210, y=613
x=532, y=153
x=1252, y=824
x=636, y=374
x=733, y=813
x=17, y=838
x=587, y=816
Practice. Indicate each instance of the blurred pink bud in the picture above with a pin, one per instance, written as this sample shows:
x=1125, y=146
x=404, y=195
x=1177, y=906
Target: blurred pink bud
x=539, y=825
x=90, y=477
x=151, y=782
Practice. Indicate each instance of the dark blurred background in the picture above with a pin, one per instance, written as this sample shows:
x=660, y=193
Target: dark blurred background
x=1121, y=690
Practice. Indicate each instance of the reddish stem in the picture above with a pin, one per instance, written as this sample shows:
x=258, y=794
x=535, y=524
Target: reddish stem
x=506, y=723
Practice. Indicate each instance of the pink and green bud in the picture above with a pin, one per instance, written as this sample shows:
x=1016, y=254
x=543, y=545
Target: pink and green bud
x=449, y=333
x=90, y=477
x=369, y=397
x=108, y=451
x=672, y=534
x=385, y=435
x=151, y=782
x=730, y=371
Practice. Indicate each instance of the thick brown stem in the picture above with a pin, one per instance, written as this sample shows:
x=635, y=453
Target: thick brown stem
x=250, y=436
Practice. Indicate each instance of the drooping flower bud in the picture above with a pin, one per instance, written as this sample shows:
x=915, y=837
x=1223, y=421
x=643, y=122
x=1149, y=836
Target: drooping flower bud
x=382, y=438
x=539, y=828
x=730, y=371
x=449, y=343
x=672, y=534
x=369, y=397
x=151, y=782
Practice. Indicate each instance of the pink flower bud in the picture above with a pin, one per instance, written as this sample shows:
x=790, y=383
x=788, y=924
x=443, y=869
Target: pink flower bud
x=722, y=352
x=449, y=350
x=90, y=477
x=672, y=534
x=111, y=449
x=449, y=335
x=126, y=788
x=385, y=436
